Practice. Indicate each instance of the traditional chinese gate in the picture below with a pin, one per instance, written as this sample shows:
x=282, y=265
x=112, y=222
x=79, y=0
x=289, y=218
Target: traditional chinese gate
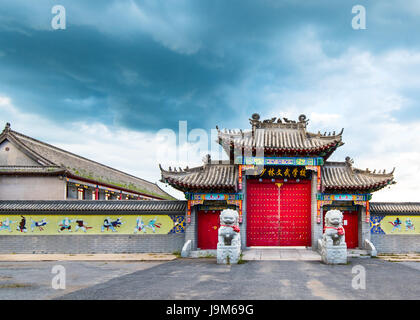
x=208, y=225
x=350, y=224
x=278, y=214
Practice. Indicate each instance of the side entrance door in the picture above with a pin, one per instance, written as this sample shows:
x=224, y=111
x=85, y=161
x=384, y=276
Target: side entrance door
x=208, y=226
x=350, y=225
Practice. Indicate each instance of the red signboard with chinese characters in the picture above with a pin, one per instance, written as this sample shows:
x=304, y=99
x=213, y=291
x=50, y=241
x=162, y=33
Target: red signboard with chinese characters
x=283, y=172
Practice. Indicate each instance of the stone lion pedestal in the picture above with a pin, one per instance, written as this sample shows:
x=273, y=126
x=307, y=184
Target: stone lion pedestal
x=333, y=245
x=229, y=243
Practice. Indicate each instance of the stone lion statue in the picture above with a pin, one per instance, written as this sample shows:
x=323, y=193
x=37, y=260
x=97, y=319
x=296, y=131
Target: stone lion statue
x=229, y=228
x=333, y=228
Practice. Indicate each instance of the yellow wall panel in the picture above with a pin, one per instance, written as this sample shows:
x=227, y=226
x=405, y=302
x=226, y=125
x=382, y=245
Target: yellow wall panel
x=90, y=224
x=404, y=225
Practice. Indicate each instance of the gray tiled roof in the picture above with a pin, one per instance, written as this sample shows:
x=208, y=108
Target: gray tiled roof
x=286, y=140
x=77, y=166
x=335, y=176
x=209, y=176
x=280, y=137
x=342, y=175
x=95, y=205
x=31, y=169
x=395, y=207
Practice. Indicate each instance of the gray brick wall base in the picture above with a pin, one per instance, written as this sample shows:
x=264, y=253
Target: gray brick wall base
x=396, y=243
x=92, y=243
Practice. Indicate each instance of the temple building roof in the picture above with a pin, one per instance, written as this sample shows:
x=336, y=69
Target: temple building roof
x=143, y=206
x=336, y=177
x=30, y=170
x=45, y=159
x=281, y=137
x=215, y=177
x=343, y=176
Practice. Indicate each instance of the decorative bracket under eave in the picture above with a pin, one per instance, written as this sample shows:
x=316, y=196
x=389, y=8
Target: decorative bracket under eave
x=317, y=169
x=320, y=204
x=243, y=167
x=365, y=204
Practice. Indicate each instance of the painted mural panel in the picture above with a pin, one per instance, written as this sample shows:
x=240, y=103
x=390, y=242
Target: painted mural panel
x=403, y=225
x=90, y=224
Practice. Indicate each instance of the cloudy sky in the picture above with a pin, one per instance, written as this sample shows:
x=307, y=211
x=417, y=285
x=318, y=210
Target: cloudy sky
x=123, y=70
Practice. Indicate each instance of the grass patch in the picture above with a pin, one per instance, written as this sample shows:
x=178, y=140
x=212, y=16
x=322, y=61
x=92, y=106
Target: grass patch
x=241, y=260
x=177, y=254
x=14, y=285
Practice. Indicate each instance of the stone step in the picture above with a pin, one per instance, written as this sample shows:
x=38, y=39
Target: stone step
x=203, y=253
x=357, y=253
x=280, y=254
x=271, y=253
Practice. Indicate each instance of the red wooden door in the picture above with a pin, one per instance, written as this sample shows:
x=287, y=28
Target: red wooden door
x=295, y=214
x=278, y=214
x=351, y=227
x=262, y=213
x=208, y=226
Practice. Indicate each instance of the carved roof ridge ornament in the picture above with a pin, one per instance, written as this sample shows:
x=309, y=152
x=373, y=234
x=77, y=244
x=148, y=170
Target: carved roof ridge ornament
x=349, y=161
x=275, y=122
x=7, y=127
x=207, y=159
x=255, y=121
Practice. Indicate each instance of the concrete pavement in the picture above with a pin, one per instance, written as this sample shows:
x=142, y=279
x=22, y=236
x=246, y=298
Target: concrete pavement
x=281, y=254
x=255, y=280
x=204, y=279
x=89, y=257
x=30, y=280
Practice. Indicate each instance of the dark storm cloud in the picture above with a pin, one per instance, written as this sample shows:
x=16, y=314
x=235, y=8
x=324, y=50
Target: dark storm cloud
x=147, y=64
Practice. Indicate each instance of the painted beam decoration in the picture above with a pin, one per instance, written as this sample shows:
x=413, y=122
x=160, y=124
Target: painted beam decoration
x=317, y=169
x=90, y=224
x=214, y=196
x=344, y=197
x=285, y=161
x=395, y=225
x=357, y=199
x=198, y=198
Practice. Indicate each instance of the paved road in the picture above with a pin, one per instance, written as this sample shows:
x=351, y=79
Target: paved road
x=32, y=280
x=204, y=279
